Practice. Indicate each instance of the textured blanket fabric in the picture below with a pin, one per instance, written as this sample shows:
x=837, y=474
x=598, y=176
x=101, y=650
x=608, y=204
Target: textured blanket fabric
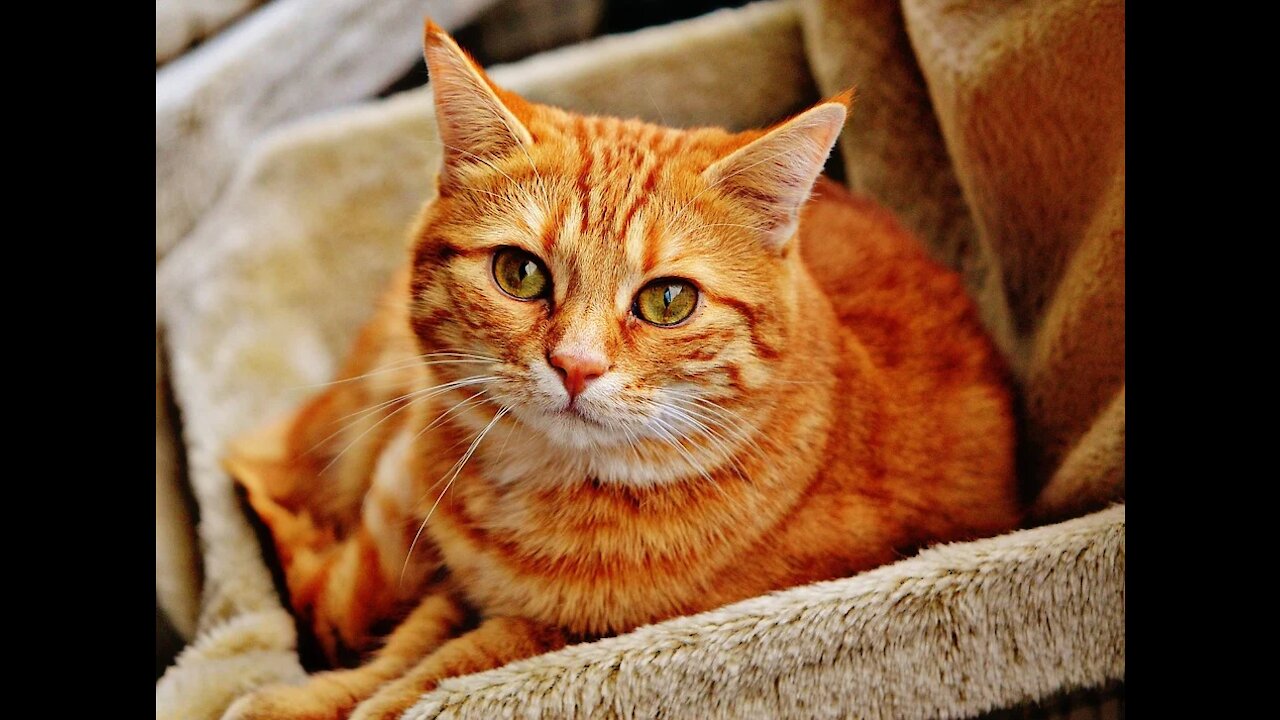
x=289, y=59
x=958, y=630
x=995, y=131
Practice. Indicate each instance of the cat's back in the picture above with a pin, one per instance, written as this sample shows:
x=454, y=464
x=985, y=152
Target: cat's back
x=910, y=328
x=910, y=313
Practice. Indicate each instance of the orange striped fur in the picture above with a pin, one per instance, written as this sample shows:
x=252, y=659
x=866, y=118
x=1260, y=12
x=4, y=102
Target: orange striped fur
x=831, y=404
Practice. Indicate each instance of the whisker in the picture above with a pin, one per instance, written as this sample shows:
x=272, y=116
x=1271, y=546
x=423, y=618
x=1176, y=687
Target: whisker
x=361, y=436
x=456, y=352
x=442, y=386
x=731, y=417
x=725, y=419
x=724, y=414
x=668, y=435
x=457, y=469
x=721, y=443
x=417, y=396
x=633, y=442
x=705, y=426
x=502, y=452
x=401, y=365
x=662, y=115
x=457, y=406
x=363, y=414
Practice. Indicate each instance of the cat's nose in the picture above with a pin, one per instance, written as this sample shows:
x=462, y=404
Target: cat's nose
x=578, y=369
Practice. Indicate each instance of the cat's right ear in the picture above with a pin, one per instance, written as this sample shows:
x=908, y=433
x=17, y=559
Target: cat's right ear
x=476, y=126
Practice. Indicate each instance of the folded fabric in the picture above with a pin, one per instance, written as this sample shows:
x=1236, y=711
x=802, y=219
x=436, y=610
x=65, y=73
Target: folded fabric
x=995, y=132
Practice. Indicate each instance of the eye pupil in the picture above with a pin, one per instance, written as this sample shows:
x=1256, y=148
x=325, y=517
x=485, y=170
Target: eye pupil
x=520, y=274
x=666, y=302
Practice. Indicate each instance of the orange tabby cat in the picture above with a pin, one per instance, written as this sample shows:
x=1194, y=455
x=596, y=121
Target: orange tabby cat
x=628, y=373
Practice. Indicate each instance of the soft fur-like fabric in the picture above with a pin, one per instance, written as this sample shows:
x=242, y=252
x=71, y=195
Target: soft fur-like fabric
x=1025, y=198
x=177, y=561
x=180, y=23
x=1031, y=101
x=289, y=59
x=1000, y=141
x=956, y=631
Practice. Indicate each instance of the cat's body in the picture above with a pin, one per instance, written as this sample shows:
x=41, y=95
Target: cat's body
x=828, y=403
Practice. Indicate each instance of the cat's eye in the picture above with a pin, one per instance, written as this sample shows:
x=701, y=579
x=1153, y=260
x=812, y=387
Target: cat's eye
x=520, y=274
x=667, y=301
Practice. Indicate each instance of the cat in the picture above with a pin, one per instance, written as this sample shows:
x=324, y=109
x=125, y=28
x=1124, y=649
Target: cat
x=627, y=372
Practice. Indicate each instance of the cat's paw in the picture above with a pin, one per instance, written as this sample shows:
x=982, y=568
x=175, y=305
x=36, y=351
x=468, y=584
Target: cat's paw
x=269, y=703
x=390, y=702
x=324, y=697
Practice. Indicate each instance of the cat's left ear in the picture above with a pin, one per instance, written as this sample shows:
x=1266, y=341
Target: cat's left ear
x=774, y=174
x=476, y=125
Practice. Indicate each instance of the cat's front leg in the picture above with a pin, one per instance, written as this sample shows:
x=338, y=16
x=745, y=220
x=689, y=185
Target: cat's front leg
x=496, y=642
x=333, y=695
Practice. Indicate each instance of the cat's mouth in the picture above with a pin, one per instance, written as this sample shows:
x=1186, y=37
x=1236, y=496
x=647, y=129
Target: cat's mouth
x=572, y=427
x=574, y=411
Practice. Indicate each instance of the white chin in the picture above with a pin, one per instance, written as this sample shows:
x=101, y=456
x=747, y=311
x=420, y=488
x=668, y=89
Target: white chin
x=606, y=451
x=569, y=429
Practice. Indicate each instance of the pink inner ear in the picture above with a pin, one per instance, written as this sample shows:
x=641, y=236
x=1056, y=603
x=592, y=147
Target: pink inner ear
x=774, y=174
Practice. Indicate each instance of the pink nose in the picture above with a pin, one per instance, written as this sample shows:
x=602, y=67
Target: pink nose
x=577, y=370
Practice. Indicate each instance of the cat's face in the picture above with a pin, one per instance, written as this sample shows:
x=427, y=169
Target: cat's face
x=611, y=281
x=613, y=298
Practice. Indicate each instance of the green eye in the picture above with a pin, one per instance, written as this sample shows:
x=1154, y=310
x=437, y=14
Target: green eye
x=667, y=301
x=520, y=274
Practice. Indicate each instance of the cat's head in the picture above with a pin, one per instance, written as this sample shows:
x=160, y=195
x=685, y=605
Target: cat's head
x=610, y=281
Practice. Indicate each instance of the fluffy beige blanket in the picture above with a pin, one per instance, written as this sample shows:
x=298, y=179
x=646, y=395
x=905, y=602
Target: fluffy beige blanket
x=996, y=131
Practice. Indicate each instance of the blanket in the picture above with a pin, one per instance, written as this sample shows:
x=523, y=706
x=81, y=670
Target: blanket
x=995, y=132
